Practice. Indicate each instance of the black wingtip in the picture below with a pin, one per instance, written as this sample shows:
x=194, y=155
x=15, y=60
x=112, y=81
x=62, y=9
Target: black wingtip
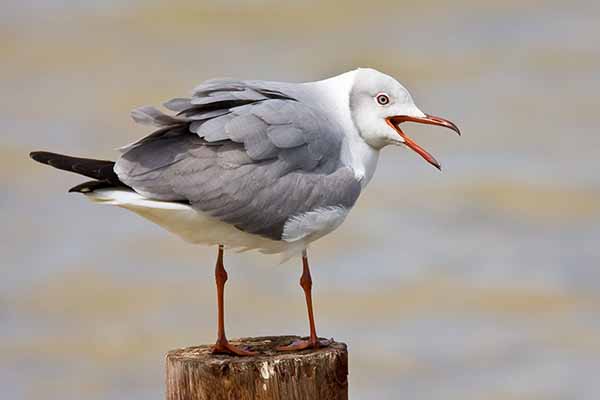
x=82, y=188
x=90, y=186
x=40, y=156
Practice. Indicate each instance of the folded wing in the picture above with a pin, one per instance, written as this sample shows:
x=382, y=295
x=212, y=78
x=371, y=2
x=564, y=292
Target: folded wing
x=246, y=152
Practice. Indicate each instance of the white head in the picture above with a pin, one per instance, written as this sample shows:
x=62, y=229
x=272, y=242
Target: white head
x=379, y=104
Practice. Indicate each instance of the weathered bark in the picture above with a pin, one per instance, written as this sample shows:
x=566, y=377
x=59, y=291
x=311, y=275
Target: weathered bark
x=196, y=374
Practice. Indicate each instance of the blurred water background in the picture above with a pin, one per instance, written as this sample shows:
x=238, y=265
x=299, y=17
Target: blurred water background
x=478, y=283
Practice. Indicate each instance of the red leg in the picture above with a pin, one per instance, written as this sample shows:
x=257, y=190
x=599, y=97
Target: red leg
x=222, y=345
x=313, y=341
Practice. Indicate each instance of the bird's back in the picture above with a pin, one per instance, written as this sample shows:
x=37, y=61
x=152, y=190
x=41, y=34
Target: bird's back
x=245, y=153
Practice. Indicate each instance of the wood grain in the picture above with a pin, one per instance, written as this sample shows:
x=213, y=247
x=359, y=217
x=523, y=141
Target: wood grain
x=196, y=374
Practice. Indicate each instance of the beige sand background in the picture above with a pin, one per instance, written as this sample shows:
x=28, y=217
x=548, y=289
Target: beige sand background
x=479, y=283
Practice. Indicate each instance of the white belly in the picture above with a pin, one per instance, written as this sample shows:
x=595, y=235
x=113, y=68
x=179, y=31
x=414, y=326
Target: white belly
x=195, y=227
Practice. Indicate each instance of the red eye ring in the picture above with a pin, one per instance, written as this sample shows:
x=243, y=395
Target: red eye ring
x=383, y=99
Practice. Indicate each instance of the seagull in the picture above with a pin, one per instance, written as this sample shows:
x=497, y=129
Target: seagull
x=256, y=165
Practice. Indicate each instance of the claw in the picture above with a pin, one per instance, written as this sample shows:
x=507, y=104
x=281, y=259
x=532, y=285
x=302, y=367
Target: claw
x=304, y=344
x=224, y=347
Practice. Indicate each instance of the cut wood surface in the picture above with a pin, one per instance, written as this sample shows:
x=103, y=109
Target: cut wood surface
x=196, y=374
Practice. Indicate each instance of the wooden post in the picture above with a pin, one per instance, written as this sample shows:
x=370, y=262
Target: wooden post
x=195, y=374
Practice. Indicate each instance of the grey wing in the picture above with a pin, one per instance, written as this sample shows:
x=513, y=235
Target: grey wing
x=243, y=152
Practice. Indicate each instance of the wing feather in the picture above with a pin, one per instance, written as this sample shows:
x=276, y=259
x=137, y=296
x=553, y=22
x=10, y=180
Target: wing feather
x=249, y=153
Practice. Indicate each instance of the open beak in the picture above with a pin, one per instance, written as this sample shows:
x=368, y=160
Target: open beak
x=395, y=122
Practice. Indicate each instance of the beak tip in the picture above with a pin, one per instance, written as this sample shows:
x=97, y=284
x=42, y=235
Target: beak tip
x=454, y=127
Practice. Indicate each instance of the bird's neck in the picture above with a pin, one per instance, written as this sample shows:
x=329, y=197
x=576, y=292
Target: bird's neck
x=361, y=157
x=356, y=153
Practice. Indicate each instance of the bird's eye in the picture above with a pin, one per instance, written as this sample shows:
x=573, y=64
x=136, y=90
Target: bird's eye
x=383, y=99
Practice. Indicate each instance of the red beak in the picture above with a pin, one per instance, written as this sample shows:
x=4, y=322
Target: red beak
x=395, y=122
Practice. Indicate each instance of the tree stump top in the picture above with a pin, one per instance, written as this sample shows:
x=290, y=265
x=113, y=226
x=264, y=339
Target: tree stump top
x=265, y=346
x=195, y=373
